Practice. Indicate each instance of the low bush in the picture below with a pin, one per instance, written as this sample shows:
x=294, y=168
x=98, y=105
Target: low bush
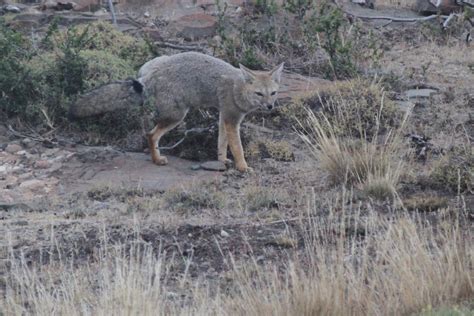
x=38, y=82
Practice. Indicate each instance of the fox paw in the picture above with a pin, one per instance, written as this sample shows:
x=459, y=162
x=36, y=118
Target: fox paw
x=244, y=169
x=227, y=162
x=160, y=161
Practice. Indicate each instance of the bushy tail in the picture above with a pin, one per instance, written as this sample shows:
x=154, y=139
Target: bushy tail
x=107, y=98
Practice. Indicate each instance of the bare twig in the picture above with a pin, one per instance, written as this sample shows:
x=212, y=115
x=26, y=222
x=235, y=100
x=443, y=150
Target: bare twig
x=18, y=134
x=395, y=19
x=179, y=47
x=112, y=12
x=192, y=130
x=450, y=17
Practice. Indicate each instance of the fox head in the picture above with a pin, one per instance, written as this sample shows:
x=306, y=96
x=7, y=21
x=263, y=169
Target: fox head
x=261, y=87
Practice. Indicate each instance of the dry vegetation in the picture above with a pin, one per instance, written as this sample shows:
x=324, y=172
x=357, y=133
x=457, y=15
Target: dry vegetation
x=395, y=265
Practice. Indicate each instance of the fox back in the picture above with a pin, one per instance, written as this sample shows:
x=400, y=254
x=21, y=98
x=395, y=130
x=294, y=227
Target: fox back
x=191, y=79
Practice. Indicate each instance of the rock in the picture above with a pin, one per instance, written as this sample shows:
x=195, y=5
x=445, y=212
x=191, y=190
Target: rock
x=432, y=6
x=11, y=9
x=224, y=233
x=214, y=166
x=13, y=148
x=42, y=164
x=420, y=93
x=196, y=26
x=368, y=3
x=146, y=14
x=195, y=167
x=27, y=142
x=33, y=184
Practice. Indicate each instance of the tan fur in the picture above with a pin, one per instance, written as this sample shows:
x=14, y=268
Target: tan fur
x=178, y=82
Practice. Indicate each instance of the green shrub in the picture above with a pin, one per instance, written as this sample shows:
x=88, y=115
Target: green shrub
x=16, y=90
x=105, y=37
x=330, y=23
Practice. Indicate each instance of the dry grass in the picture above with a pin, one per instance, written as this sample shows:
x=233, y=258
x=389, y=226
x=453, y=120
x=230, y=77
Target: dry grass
x=401, y=267
x=409, y=4
x=374, y=164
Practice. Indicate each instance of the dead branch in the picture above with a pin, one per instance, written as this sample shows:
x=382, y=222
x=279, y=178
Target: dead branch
x=192, y=130
x=179, y=47
x=395, y=19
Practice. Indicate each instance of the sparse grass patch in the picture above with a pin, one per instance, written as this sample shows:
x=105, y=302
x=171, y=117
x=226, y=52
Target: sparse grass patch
x=257, y=198
x=425, y=202
x=278, y=150
x=455, y=171
x=104, y=192
x=194, y=198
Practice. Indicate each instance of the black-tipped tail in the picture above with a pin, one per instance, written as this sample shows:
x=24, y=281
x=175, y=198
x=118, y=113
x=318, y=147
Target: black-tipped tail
x=137, y=86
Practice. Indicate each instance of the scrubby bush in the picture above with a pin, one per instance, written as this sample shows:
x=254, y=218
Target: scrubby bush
x=15, y=89
x=105, y=37
x=38, y=82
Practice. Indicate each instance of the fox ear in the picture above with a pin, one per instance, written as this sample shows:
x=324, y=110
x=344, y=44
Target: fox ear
x=276, y=72
x=249, y=76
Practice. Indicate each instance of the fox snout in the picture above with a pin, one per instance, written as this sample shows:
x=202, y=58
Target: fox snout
x=269, y=106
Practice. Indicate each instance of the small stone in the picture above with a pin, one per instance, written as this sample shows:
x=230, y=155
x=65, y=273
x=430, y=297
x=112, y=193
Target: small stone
x=195, y=167
x=146, y=14
x=13, y=148
x=42, y=164
x=420, y=93
x=214, y=166
x=21, y=223
x=224, y=233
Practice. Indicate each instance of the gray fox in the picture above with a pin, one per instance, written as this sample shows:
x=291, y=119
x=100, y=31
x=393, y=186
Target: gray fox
x=179, y=82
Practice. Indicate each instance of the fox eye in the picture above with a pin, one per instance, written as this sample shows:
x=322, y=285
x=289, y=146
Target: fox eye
x=259, y=94
x=273, y=93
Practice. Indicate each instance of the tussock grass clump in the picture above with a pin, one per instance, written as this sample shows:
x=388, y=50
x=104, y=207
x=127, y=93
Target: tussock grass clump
x=374, y=166
x=455, y=171
x=354, y=131
x=355, y=108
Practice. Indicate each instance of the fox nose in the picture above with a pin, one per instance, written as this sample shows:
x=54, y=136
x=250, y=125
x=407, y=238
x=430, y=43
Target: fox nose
x=269, y=106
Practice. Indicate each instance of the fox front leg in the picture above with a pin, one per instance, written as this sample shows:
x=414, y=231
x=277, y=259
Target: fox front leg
x=233, y=137
x=222, y=142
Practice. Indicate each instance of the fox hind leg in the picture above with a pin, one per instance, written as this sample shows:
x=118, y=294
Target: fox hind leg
x=154, y=137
